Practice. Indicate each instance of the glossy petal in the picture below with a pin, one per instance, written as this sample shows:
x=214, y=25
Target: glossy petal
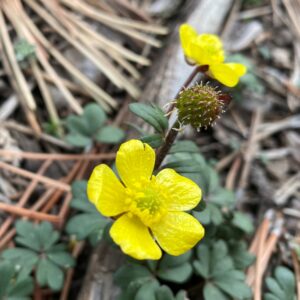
x=187, y=34
x=135, y=162
x=181, y=192
x=106, y=191
x=228, y=74
x=177, y=232
x=207, y=49
x=134, y=238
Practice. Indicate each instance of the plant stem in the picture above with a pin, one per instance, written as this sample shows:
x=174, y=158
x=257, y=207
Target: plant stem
x=169, y=140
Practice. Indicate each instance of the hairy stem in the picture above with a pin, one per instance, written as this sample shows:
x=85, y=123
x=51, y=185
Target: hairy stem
x=169, y=140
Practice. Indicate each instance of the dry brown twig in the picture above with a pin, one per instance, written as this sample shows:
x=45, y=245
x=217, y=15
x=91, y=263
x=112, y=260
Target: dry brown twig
x=263, y=245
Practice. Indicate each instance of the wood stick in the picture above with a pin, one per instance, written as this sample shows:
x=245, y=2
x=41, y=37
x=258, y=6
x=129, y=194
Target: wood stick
x=258, y=266
x=28, y=213
x=25, y=197
x=43, y=136
x=56, y=156
x=75, y=253
x=40, y=178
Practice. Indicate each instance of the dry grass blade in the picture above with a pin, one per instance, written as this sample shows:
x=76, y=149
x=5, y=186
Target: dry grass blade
x=9, y=50
x=109, y=20
x=91, y=13
x=40, y=178
x=112, y=58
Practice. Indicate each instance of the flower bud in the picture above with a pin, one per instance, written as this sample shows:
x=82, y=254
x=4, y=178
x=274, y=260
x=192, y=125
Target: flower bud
x=199, y=106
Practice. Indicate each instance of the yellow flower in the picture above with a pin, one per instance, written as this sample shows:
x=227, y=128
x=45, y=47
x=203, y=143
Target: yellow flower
x=149, y=209
x=207, y=50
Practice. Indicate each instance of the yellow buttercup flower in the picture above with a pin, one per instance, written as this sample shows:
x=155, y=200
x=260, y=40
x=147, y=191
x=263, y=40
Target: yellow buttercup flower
x=207, y=50
x=149, y=209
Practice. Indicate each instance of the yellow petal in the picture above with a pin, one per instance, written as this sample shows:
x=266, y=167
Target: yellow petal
x=177, y=232
x=135, y=162
x=207, y=49
x=181, y=192
x=187, y=34
x=228, y=74
x=106, y=191
x=134, y=238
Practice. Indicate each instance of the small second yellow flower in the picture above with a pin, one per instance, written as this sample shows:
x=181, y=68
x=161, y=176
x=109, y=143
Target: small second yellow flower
x=207, y=50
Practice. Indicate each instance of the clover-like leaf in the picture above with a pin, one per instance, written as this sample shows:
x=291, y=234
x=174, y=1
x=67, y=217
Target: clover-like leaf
x=131, y=272
x=88, y=223
x=223, y=280
x=90, y=126
x=282, y=286
x=40, y=251
x=12, y=285
x=241, y=257
x=176, y=269
x=109, y=135
x=243, y=222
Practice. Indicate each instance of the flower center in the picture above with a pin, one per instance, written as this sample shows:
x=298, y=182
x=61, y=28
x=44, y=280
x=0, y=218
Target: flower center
x=146, y=201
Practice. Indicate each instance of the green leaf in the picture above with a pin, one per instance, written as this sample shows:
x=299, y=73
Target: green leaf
x=185, y=147
x=274, y=287
x=83, y=225
x=41, y=272
x=78, y=140
x=181, y=295
x=78, y=125
x=6, y=271
x=131, y=290
x=241, y=257
x=147, y=291
x=91, y=223
x=212, y=292
x=223, y=197
x=47, y=235
x=286, y=278
x=55, y=276
x=20, y=289
x=62, y=259
x=151, y=114
x=27, y=235
x=179, y=274
x=184, y=166
x=80, y=200
x=170, y=261
x=282, y=286
x=232, y=284
x=131, y=272
x=23, y=259
x=202, y=265
x=243, y=222
x=154, y=140
x=164, y=293
x=48, y=274
x=175, y=268
x=109, y=135
x=95, y=117
x=24, y=50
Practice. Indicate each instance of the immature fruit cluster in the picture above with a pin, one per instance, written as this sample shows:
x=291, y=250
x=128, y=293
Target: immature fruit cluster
x=199, y=106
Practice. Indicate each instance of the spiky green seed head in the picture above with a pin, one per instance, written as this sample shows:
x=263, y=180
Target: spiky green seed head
x=199, y=106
